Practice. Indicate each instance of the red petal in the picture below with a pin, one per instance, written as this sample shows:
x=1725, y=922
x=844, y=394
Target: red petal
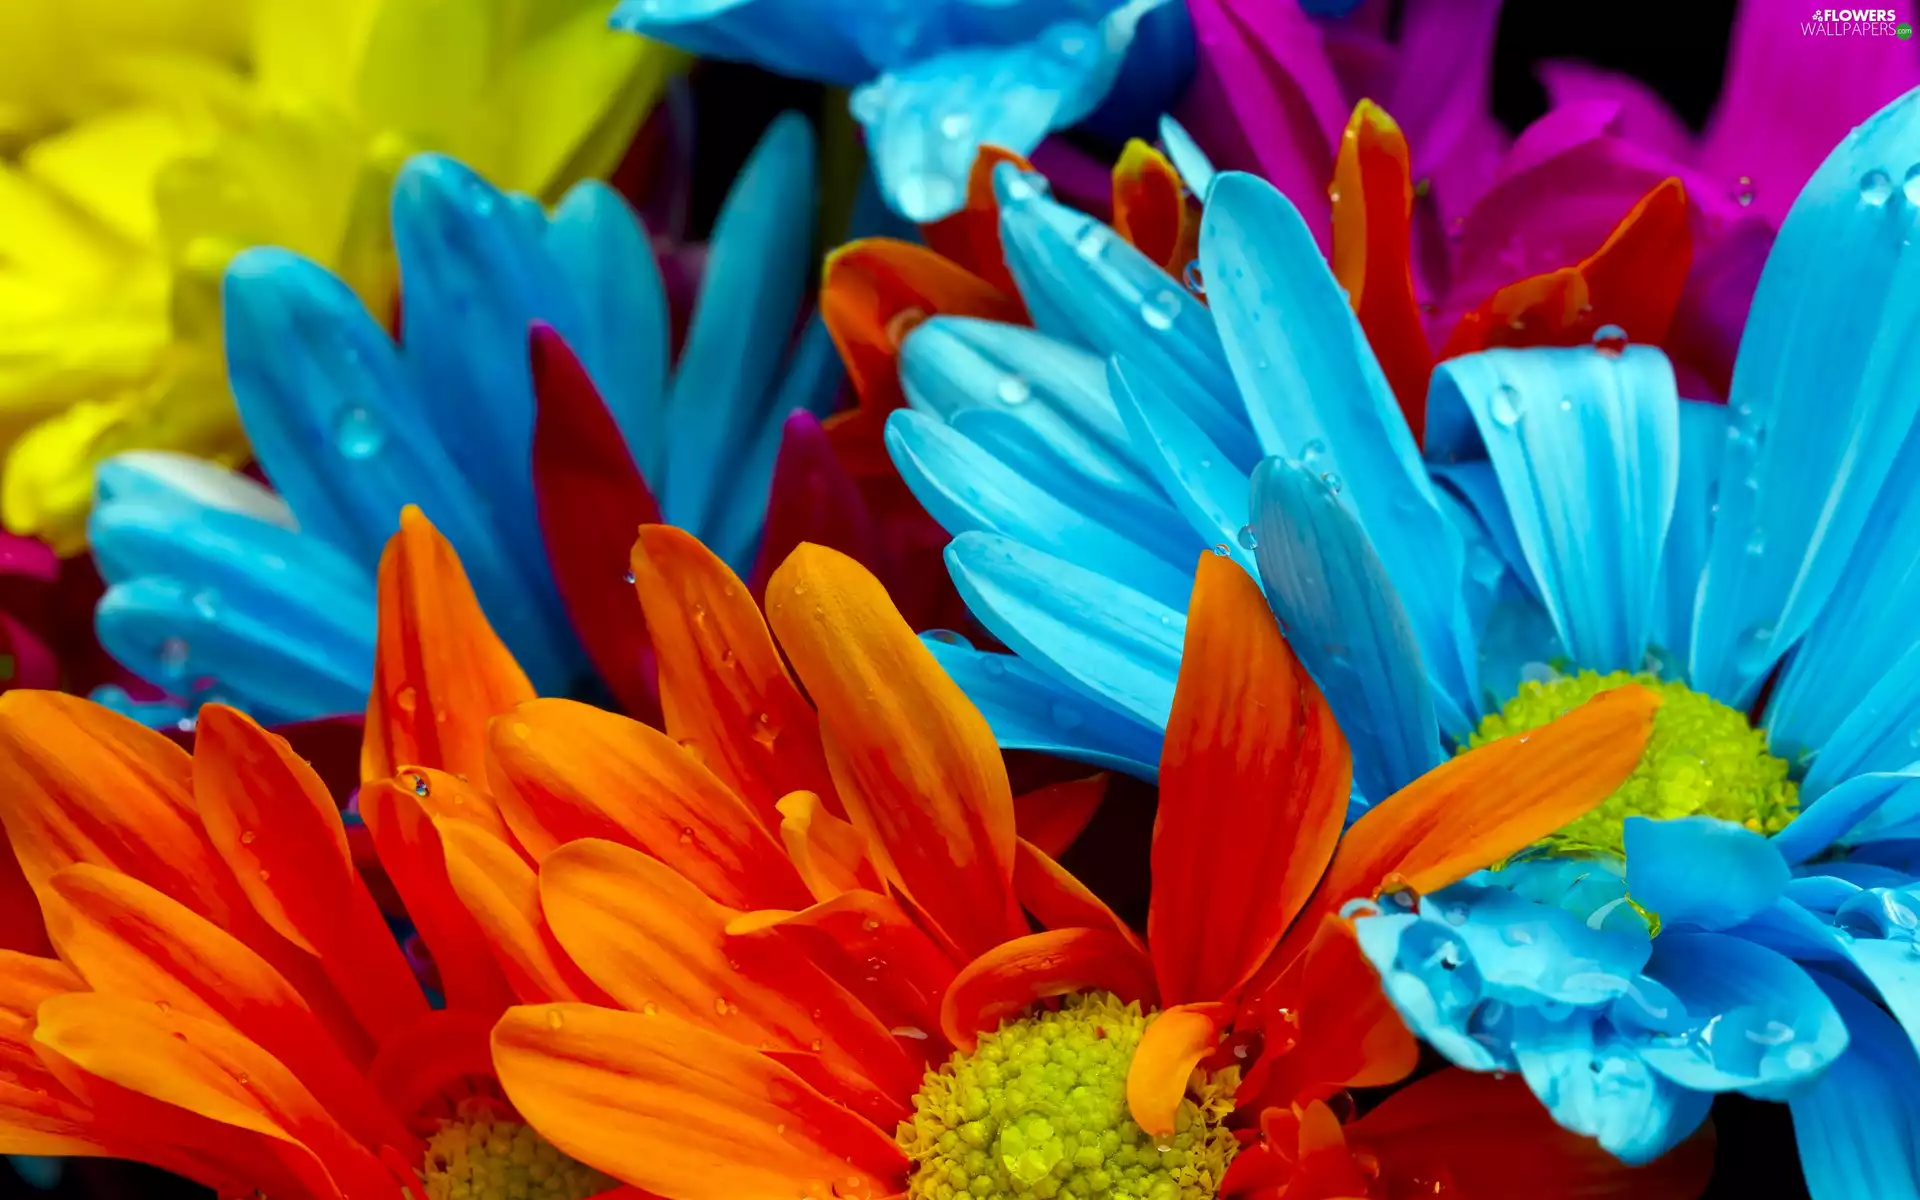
x=440, y=1060
x=1058, y=900
x=971, y=237
x=591, y=497
x=814, y=499
x=1150, y=208
x=1006, y=979
x=1051, y=817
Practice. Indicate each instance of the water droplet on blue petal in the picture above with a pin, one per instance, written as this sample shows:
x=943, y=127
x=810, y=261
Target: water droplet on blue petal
x=1159, y=310
x=1875, y=188
x=1506, y=405
x=358, y=433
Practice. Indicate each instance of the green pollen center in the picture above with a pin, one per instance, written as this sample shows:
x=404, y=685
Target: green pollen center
x=487, y=1158
x=1039, y=1109
x=1703, y=759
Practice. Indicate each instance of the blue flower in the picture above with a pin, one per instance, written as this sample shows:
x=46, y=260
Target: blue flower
x=220, y=588
x=934, y=80
x=1571, y=514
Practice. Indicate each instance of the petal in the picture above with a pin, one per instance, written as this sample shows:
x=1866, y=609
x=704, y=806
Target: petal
x=273, y=821
x=813, y=498
x=1189, y=161
x=1644, y=115
x=776, y=36
x=873, y=292
x=1855, y=1127
x=1632, y=281
x=590, y=496
x=1051, y=817
x=21, y=928
x=675, y=1109
x=1572, y=434
x=1253, y=793
x=1291, y=337
x=657, y=945
x=1029, y=710
x=1595, y=1084
x=1150, y=207
x=1206, y=488
x=411, y=854
x=1057, y=900
x=826, y=851
x=971, y=236
x=439, y=674
x=503, y=894
x=1702, y=437
x=1006, y=979
x=1164, y=1062
x=1830, y=320
x=1373, y=253
x=725, y=690
x=915, y=763
x=563, y=770
x=129, y=941
x=1701, y=871
x=440, y=1060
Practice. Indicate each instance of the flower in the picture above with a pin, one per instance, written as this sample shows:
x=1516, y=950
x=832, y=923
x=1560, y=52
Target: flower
x=1572, y=517
x=746, y=943
x=155, y=145
x=934, y=82
x=219, y=588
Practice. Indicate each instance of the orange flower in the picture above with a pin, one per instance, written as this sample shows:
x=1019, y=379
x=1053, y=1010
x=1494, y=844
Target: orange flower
x=761, y=934
x=227, y=1001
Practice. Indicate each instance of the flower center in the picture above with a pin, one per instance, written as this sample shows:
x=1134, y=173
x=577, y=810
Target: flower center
x=487, y=1158
x=1039, y=1109
x=1703, y=759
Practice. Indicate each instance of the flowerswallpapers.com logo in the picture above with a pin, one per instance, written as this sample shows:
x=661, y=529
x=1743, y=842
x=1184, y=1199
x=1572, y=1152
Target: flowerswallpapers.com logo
x=1856, y=22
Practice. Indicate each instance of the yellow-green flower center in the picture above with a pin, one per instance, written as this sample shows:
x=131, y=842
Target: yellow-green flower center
x=1704, y=759
x=1039, y=1109
x=487, y=1158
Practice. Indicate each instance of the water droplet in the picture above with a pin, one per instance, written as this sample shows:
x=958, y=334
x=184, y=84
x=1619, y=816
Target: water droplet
x=1191, y=277
x=1220, y=548
x=913, y=1032
x=1249, y=540
x=629, y=576
x=686, y=835
x=358, y=433
x=817, y=1045
x=1014, y=389
x=420, y=787
x=1506, y=405
x=649, y=1009
x=955, y=126
x=1757, y=542
x=1073, y=45
x=1610, y=340
x=1753, y=652
x=554, y=1019
x=1092, y=242
x=1331, y=482
x=902, y=323
x=720, y=1005
x=870, y=925
x=1566, y=404
x=405, y=698
x=1312, y=452
x=265, y=875
x=947, y=637
x=1875, y=188
x=764, y=734
x=1159, y=310
x=174, y=653
x=1025, y=185
x=1743, y=191
x=248, y=837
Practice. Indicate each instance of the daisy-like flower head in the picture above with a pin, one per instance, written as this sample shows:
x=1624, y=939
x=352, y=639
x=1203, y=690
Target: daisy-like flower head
x=536, y=458
x=1571, y=515
x=787, y=947
x=148, y=144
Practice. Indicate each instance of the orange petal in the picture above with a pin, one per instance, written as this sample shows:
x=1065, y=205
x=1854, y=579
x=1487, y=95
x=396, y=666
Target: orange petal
x=35, y=1122
x=679, y=1110
x=874, y=291
x=916, y=765
x=274, y=822
x=1051, y=817
x=1254, y=782
x=1373, y=253
x=1150, y=208
x=503, y=895
x=1487, y=1137
x=1489, y=803
x=439, y=671
x=874, y=949
x=205, y=1068
x=1632, y=281
x=130, y=941
x=85, y=784
x=1058, y=900
x=1174, y=1044
x=26, y=980
x=1328, y=1027
x=401, y=821
x=656, y=944
x=726, y=693
x=971, y=237
x=562, y=771
x=1006, y=979
x=825, y=850
x=440, y=1059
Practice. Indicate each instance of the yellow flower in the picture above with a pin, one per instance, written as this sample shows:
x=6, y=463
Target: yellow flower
x=142, y=145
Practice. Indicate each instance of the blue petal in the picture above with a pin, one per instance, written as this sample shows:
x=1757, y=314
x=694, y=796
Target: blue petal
x=1881, y=733
x=1587, y=449
x=1701, y=871
x=756, y=273
x=1517, y=645
x=1703, y=433
x=1822, y=400
x=1892, y=966
x=160, y=477
x=1856, y=1128
x=1029, y=710
x=1209, y=491
x=1757, y=1023
x=1530, y=954
x=603, y=256
x=1196, y=170
x=1158, y=66
x=1429, y=975
x=1594, y=1083
x=1083, y=283
x=1834, y=813
x=814, y=39
x=154, y=714
x=1478, y=486
x=965, y=488
x=1344, y=619
x=1315, y=393
x=1084, y=629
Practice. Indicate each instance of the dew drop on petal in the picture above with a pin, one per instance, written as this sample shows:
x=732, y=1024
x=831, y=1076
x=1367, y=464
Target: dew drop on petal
x=1506, y=405
x=358, y=433
x=1876, y=187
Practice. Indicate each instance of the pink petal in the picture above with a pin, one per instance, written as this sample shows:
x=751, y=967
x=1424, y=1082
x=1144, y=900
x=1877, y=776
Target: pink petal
x=1713, y=308
x=1442, y=96
x=1644, y=116
x=813, y=499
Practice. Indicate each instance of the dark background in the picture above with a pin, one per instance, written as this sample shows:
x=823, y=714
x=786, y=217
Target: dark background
x=1682, y=59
